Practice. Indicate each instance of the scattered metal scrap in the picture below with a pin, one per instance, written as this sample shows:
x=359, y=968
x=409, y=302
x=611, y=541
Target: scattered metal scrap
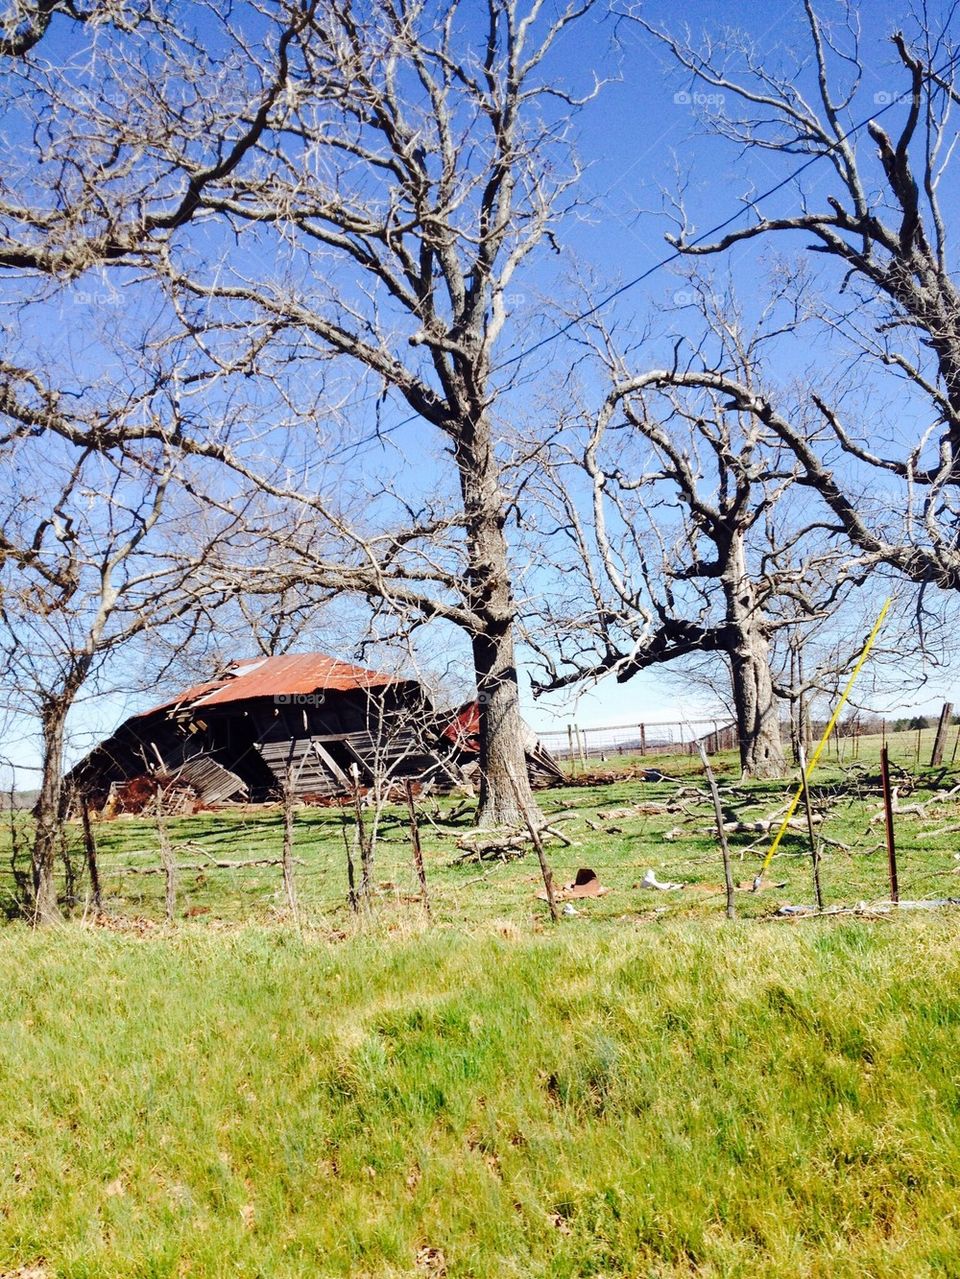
x=586, y=883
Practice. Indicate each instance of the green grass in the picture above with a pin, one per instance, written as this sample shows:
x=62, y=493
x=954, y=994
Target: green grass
x=646, y=1100
x=601, y=817
x=643, y=1090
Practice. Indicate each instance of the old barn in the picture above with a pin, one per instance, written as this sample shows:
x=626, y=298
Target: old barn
x=308, y=718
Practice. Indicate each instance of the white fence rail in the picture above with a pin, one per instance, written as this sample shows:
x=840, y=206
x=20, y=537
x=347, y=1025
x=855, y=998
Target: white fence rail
x=660, y=737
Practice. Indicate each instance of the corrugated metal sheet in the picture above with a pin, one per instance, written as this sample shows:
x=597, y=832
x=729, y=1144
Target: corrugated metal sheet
x=464, y=729
x=290, y=675
x=212, y=782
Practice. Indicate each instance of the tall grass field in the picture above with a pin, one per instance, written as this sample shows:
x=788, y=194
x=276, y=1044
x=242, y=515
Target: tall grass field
x=650, y=1099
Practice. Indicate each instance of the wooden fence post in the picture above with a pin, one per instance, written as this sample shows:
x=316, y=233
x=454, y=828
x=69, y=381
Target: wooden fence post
x=888, y=821
x=289, y=883
x=721, y=833
x=418, y=852
x=90, y=846
x=545, y=870
x=166, y=859
x=940, y=741
x=814, y=845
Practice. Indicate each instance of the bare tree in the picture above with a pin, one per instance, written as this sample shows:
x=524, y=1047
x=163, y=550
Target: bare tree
x=880, y=219
x=696, y=542
x=24, y=23
x=95, y=556
x=432, y=169
x=392, y=170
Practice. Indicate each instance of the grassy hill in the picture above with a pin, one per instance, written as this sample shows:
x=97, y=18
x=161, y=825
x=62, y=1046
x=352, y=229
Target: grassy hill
x=640, y=1090
x=684, y=1099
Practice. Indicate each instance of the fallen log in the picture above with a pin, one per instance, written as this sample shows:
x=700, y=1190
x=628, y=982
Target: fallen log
x=209, y=865
x=487, y=845
x=915, y=810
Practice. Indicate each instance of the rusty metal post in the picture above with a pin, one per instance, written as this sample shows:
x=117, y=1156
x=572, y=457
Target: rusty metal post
x=888, y=820
x=643, y=740
x=573, y=761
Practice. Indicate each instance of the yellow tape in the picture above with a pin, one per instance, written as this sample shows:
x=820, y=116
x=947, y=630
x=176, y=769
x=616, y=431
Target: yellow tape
x=823, y=740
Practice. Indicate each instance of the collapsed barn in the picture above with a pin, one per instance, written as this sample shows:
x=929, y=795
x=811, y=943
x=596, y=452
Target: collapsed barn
x=305, y=720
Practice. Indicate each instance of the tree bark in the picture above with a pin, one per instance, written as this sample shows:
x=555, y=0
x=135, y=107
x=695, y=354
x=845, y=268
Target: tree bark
x=49, y=814
x=506, y=798
x=758, y=717
x=502, y=757
x=758, y=720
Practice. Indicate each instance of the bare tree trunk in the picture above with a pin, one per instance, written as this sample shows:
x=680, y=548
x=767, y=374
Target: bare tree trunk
x=502, y=757
x=758, y=720
x=758, y=714
x=505, y=795
x=49, y=813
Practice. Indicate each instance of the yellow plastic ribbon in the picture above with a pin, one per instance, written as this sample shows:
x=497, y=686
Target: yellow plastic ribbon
x=823, y=741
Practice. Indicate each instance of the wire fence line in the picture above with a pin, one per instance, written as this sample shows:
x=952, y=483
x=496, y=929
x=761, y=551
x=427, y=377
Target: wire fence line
x=859, y=740
x=648, y=737
x=228, y=857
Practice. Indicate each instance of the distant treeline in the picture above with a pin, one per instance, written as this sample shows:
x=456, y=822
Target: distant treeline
x=19, y=799
x=867, y=725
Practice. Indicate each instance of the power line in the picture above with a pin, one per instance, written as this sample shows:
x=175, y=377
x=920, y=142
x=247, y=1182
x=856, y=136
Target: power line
x=670, y=257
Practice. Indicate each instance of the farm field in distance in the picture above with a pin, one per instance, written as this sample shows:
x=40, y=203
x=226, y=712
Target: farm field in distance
x=642, y=1089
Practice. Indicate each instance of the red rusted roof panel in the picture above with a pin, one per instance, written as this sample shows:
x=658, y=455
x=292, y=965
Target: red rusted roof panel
x=290, y=675
x=464, y=729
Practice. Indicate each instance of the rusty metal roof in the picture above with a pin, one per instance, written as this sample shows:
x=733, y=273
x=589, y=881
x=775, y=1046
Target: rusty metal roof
x=291, y=675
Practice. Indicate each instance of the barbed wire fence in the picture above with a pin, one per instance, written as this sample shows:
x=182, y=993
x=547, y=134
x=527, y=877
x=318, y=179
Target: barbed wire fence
x=229, y=865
